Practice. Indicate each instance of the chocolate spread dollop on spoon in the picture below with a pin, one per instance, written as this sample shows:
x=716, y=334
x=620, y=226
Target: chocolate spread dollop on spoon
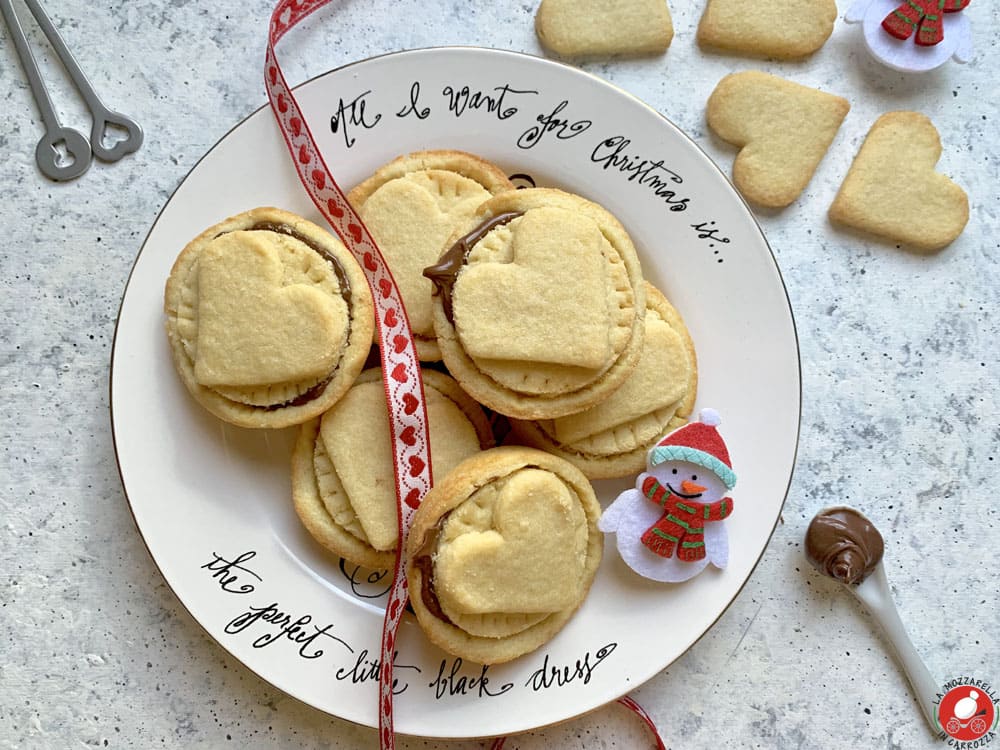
x=843, y=544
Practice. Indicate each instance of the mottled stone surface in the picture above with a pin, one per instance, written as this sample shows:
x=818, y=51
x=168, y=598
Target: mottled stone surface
x=900, y=406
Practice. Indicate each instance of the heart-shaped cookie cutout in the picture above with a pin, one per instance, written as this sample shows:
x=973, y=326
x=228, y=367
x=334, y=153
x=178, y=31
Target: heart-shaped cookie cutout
x=661, y=379
x=548, y=304
x=411, y=219
x=253, y=329
x=893, y=191
x=530, y=559
x=356, y=436
x=597, y=28
x=784, y=129
x=768, y=28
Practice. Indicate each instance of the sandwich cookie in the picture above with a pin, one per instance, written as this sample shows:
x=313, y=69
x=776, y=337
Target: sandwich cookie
x=539, y=304
x=502, y=552
x=269, y=319
x=343, y=483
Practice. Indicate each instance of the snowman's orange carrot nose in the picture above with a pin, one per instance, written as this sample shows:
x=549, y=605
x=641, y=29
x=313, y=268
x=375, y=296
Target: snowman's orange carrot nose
x=690, y=488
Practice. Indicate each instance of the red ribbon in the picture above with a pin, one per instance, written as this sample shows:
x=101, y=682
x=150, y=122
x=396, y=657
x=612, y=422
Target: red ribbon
x=404, y=389
x=401, y=377
x=632, y=706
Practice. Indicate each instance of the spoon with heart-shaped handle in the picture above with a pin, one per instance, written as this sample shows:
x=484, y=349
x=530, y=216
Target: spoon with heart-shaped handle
x=62, y=153
x=106, y=123
x=843, y=544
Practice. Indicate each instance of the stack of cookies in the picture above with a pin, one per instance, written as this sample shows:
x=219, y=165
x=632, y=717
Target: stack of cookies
x=537, y=330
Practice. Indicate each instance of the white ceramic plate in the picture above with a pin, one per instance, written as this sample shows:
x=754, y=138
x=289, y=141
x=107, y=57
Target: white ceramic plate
x=212, y=501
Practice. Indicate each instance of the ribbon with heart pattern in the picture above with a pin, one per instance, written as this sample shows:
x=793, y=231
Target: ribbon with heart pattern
x=401, y=375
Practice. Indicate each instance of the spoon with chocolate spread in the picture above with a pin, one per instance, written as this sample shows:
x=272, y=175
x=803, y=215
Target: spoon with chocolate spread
x=843, y=544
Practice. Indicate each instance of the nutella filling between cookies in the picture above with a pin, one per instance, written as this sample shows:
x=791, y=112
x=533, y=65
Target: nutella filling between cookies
x=345, y=292
x=444, y=273
x=424, y=561
x=844, y=545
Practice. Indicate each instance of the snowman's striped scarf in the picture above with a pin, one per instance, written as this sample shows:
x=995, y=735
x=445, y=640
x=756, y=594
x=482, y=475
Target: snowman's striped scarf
x=681, y=528
x=923, y=17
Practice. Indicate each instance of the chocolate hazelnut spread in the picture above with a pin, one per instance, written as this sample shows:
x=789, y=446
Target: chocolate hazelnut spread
x=427, y=594
x=446, y=270
x=843, y=544
x=303, y=398
x=424, y=562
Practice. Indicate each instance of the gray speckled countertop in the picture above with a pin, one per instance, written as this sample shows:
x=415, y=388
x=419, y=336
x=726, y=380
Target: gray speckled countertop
x=900, y=409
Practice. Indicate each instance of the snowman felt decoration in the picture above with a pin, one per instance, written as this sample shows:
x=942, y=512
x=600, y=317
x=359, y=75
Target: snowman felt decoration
x=669, y=527
x=916, y=35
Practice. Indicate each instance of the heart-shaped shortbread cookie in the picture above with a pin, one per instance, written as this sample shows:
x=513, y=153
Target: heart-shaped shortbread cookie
x=783, y=128
x=768, y=28
x=502, y=552
x=530, y=560
x=269, y=318
x=411, y=218
x=661, y=379
x=611, y=438
x=539, y=304
x=343, y=482
x=549, y=304
x=893, y=191
x=253, y=329
x=355, y=434
x=597, y=28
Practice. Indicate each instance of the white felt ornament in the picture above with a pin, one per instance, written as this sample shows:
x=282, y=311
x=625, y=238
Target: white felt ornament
x=906, y=55
x=670, y=526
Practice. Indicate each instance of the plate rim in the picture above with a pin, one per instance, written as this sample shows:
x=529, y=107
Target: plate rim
x=535, y=59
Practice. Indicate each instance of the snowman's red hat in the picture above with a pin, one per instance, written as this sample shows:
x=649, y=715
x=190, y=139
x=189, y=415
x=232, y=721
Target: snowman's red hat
x=697, y=443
